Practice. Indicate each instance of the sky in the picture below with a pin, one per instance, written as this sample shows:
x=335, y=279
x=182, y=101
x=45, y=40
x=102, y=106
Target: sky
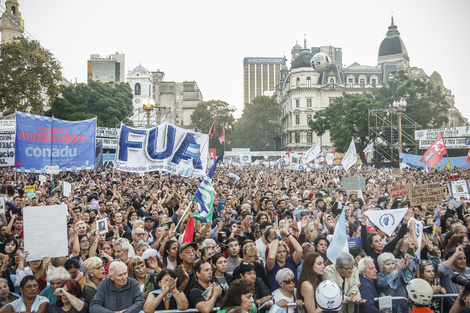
x=205, y=41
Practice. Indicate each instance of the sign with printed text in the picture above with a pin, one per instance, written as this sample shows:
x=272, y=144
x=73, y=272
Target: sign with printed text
x=399, y=191
x=459, y=189
x=428, y=193
x=165, y=148
x=7, y=150
x=353, y=183
x=46, y=141
x=29, y=187
x=7, y=125
x=463, y=131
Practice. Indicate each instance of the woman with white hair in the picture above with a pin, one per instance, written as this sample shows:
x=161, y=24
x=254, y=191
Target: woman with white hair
x=55, y=278
x=286, y=292
x=393, y=278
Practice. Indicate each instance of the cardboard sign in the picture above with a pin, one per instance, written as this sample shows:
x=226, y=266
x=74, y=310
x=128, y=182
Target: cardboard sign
x=353, y=183
x=396, y=171
x=29, y=188
x=399, y=191
x=429, y=193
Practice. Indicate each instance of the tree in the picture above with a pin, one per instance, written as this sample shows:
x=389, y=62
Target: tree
x=214, y=110
x=426, y=104
x=259, y=127
x=111, y=103
x=26, y=71
x=345, y=118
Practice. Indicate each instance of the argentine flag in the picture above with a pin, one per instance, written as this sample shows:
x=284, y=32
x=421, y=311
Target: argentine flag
x=340, y=239
x=205, y=195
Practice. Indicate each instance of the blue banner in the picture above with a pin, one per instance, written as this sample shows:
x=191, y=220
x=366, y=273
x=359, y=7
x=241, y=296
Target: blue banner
x=49, y=142
x=414, y=160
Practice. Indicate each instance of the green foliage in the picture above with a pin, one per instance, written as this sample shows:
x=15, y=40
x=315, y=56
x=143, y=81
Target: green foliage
x=259, y=127
x=26, y=71
x=426, y=104
x=345, y=118
x=214, y=110
x=111, y=103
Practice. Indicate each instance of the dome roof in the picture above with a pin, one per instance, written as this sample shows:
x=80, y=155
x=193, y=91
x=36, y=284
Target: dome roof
x=392, y=44
x=139, y=70
x=302, y=60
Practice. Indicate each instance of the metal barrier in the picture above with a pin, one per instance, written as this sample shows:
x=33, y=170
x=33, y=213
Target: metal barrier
x=436, y=296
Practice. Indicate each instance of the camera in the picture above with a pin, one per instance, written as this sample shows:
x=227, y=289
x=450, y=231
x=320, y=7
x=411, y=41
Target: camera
x=461, y=280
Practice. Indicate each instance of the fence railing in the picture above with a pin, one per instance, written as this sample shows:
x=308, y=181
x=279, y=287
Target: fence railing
x=442, y=297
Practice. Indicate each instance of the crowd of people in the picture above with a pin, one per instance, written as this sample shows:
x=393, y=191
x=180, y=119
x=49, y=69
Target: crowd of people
x=265, y=249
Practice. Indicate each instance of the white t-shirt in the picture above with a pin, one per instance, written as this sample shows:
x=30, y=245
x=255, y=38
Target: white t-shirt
x=278, y=296
x=17, y=302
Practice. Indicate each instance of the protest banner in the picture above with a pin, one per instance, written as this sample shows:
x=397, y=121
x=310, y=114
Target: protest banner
x=353, y=183
x=7, y=150
x=45, y=231
x=46, y=141
x=399, y=191
x=165, y=148
x=27, y=188
x=428, y=193
x=396, y=171
x=7, y=125
x=459, y=189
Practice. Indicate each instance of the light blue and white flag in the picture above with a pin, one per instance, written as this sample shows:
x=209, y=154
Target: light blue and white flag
x=386, y=220
x=312, y=153
x=204, y=195
x=369, y=148
x=340, y=239
x=350, y=158
x=234, y=176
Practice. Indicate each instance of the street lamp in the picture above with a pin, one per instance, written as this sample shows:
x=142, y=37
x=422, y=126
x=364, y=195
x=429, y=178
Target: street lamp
x=399, y=107
x=148, y=107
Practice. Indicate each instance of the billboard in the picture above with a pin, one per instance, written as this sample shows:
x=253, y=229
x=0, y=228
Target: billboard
x=42, y=142
x=165, y=148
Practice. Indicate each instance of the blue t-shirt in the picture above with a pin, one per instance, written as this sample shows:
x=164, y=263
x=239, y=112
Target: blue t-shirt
x=290, y=264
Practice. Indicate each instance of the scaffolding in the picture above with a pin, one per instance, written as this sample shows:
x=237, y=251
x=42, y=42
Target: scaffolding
x=383, y=131
x=138, y=117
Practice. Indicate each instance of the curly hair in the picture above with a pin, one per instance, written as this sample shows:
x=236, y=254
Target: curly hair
x=233, y=297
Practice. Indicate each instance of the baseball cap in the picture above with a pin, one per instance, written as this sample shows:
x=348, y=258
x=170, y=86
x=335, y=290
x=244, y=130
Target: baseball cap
x=148, y=253
x=148, y=218
x=234, y=222
x=188, y=244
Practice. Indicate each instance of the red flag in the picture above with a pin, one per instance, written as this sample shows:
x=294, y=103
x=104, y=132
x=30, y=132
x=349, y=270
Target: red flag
x=212, y=131
x=222, y=135
x=436, y=151
x=189, y=232
x=468, y=156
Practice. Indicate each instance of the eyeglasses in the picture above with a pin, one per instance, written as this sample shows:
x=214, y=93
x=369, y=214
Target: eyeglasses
x=190, y=251
x=290, y=281
x=349, y=269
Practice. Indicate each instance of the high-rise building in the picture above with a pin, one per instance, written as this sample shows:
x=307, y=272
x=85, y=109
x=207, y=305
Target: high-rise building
x=108, y=69
x=11, y=23
x=261, y=76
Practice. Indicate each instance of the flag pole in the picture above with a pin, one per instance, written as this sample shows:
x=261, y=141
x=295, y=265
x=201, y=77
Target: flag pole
x=184, y=214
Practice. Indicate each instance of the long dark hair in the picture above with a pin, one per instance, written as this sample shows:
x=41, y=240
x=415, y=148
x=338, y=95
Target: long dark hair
x=167, y=248
x=8, y=240
x=308, y=274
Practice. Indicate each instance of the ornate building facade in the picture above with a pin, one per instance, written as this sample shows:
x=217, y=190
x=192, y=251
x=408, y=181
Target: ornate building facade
x=303, y=91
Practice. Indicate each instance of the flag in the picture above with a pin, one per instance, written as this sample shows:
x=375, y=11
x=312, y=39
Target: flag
x=222, y=135
x=189, y=231
x=233, y=175
x=435, y=152
x=340, y=239
x=468, y=156
x=386, y=220
x=369, y=148
x=350, y=158
x=204, y=196
x=313, y=152
x=212, y=130
x=448, y=164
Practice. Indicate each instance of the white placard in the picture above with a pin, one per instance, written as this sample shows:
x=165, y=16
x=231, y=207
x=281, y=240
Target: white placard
x=45, y=231
x=102, y=226
x=67, y=189
x=2, y=205
x=385, y=304
x=7, y=150
x=42, y=179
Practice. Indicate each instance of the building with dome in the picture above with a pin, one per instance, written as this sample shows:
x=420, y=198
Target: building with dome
x=303, y=91
x=174, y=102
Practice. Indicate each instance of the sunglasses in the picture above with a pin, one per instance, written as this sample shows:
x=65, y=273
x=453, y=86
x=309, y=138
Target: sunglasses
x=290, y=281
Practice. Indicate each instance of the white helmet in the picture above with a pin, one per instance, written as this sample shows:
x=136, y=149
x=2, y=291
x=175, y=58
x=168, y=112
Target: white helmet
x=329, y=296
x=419, y=291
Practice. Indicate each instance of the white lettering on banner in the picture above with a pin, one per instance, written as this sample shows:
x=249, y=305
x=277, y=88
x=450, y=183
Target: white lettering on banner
x=48, y=152
x=422, y=134
x=451, y=143
x=165, y=147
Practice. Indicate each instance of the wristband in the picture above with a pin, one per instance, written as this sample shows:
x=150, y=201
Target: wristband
x=288, y=234
x=277, y=237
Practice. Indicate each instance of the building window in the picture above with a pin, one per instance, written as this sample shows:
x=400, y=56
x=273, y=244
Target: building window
x=363, y=84
x=309, y=102
x=297, y=82
x=297, y=103
x=290, y=137
x=309, y=117
x=297, y=119
x=332, y=82
x=309, y=82
x=137, y=89
x=297, y=137
x=309, y=137
x=374, y=82
x=350, y=81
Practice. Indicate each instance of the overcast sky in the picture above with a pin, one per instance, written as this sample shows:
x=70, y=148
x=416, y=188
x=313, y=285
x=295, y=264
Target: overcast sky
x=206, y=40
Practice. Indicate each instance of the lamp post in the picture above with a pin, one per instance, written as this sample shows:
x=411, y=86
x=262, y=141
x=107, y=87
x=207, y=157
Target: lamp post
x=399, y=107
x=148, y=107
